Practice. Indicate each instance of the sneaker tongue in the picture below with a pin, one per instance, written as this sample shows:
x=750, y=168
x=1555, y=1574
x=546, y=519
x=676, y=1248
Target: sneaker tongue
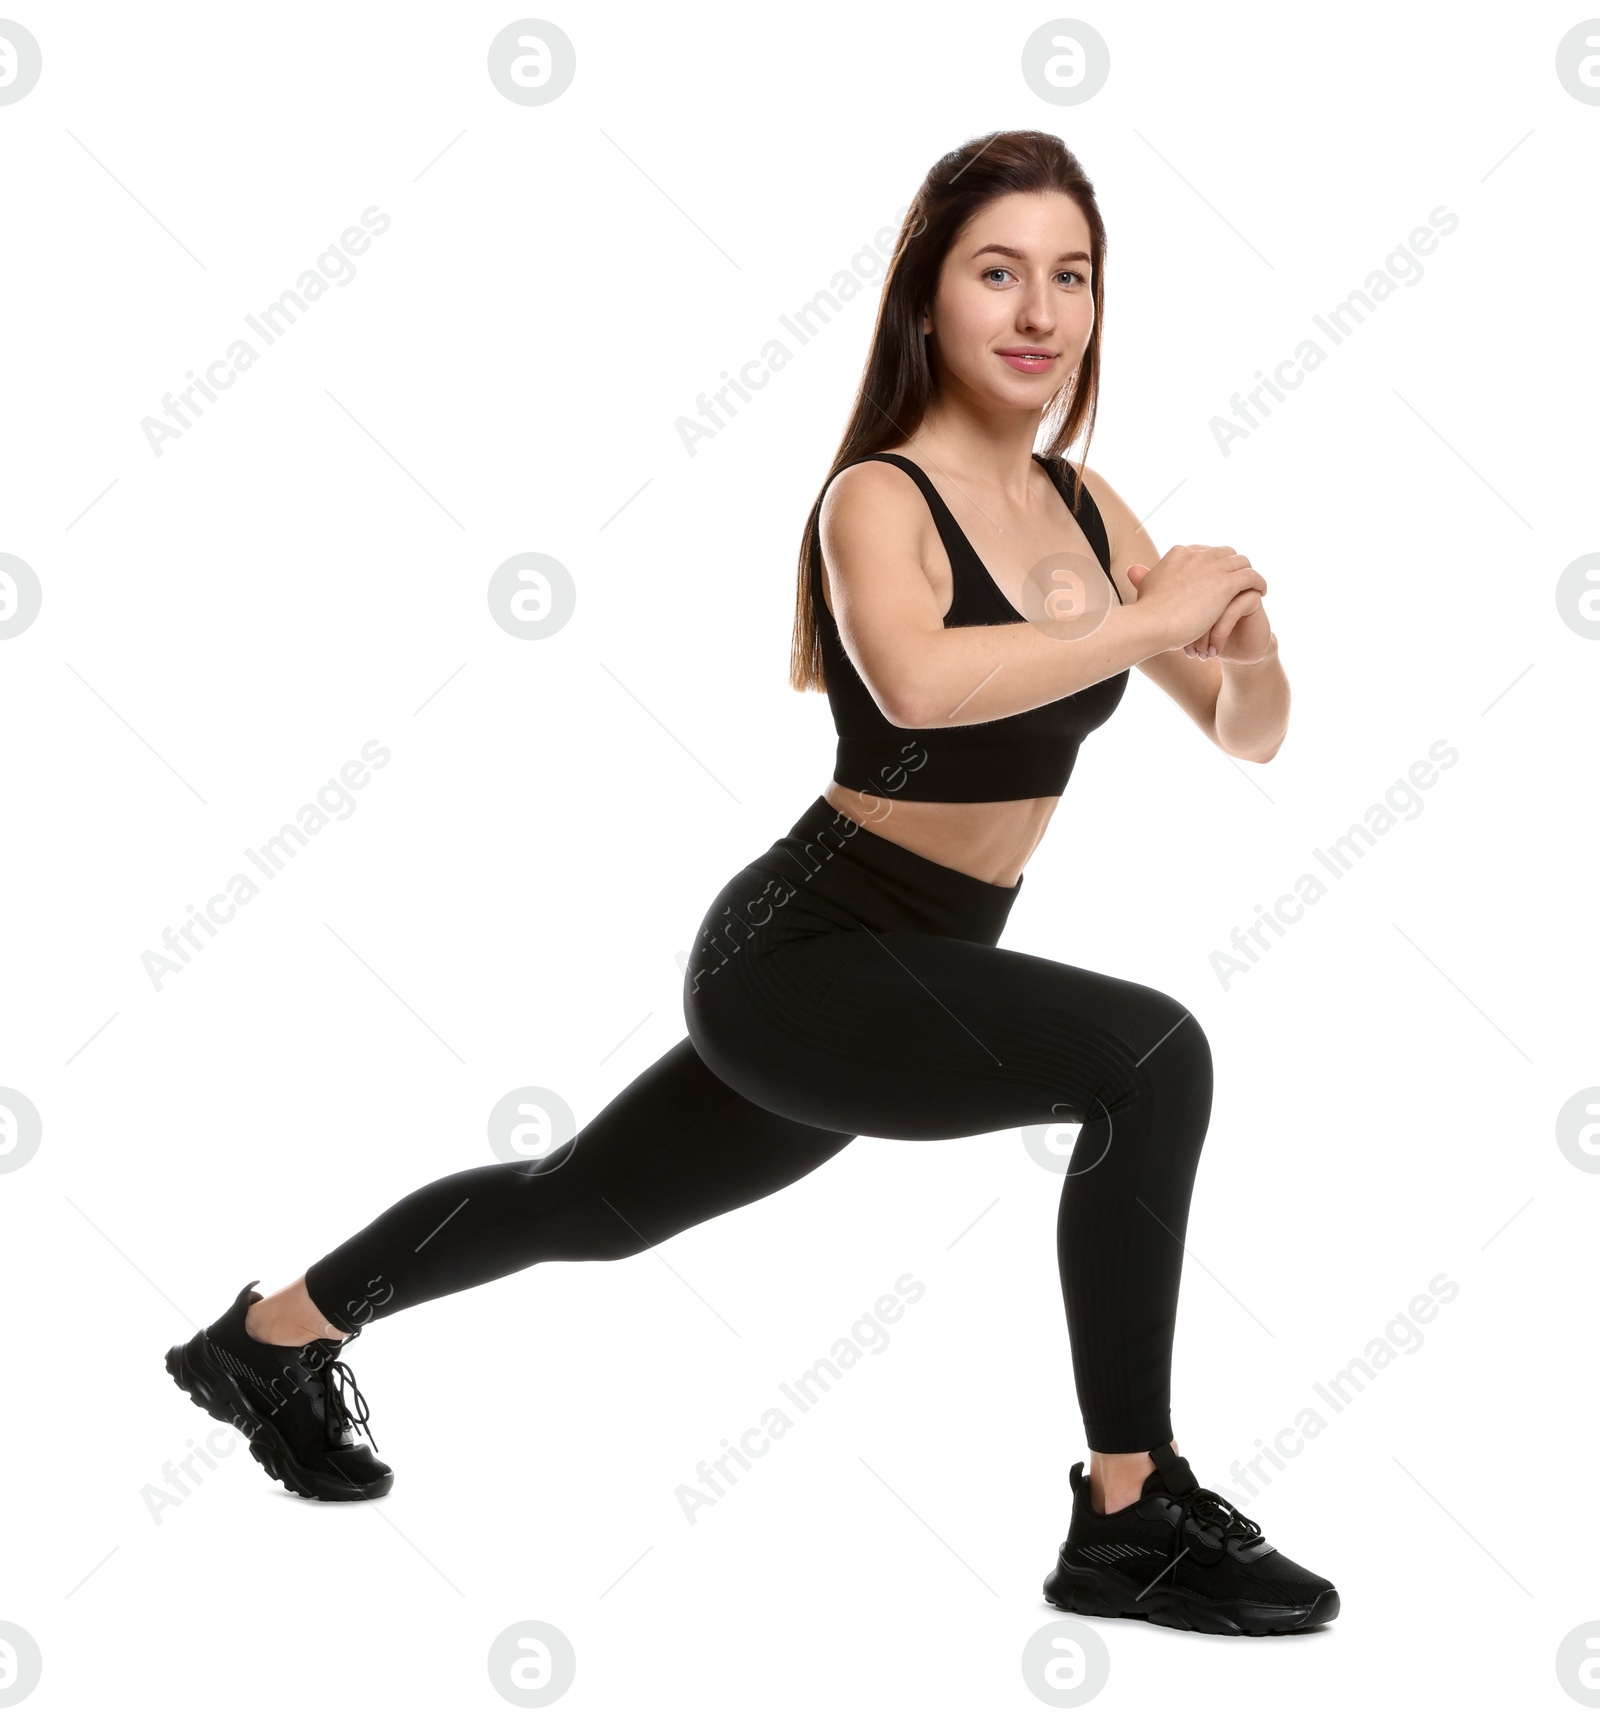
x=1173, y=1477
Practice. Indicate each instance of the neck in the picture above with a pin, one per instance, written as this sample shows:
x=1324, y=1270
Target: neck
x=992, y=453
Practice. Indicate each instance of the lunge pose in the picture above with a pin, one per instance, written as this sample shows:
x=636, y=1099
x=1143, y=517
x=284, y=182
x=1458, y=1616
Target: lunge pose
x=972, y=607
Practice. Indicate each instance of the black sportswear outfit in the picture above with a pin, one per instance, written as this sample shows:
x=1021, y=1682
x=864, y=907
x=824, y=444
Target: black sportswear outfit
x=843, y=985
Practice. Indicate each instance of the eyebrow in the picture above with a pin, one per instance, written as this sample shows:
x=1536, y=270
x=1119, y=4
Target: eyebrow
x=1011, y=252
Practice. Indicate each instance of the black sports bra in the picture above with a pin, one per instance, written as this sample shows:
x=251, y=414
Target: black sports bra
x=1027, y=755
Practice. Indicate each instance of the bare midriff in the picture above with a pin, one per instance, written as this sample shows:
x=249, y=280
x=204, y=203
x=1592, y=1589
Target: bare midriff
x=992, y=841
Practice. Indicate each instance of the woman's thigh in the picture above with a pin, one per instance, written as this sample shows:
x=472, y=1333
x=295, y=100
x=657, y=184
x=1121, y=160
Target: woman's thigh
x=912, y=1036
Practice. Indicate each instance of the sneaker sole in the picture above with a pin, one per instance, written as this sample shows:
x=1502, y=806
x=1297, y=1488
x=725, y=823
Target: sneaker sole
x=1085, y=1591
x=215, y=1391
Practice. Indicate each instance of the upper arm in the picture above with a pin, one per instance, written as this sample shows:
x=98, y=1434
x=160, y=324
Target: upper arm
x=1193, y=684
x=872, y=527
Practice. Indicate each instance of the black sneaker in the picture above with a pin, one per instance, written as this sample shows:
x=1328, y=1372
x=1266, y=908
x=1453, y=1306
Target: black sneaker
x=288, y=1401
x=1182, y=1556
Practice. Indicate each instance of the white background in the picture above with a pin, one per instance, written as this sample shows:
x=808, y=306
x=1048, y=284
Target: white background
x=224, y=625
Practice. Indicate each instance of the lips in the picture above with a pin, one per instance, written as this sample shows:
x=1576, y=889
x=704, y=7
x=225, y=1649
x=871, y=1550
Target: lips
x=1027, y=359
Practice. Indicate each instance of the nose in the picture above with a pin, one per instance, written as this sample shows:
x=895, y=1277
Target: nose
x=1037, y=314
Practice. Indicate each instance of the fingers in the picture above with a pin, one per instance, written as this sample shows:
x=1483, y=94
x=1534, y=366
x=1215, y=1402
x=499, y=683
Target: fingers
x=1238, y=566
x=1211, y=645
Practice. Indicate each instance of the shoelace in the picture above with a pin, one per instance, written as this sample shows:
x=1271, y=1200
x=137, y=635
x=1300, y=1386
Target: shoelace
x=338, y=1378
x=1209, y=1509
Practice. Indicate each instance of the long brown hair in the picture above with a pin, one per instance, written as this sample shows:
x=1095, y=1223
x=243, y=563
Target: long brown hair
x=897, y=383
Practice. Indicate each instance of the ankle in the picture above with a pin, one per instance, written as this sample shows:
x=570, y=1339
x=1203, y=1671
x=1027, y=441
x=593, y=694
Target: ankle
x=281, y=1335
x=273, y=1322
x=1116, y=1480
x=1120, y=1492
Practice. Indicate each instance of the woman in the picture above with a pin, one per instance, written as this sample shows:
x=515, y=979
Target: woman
x=848, y=981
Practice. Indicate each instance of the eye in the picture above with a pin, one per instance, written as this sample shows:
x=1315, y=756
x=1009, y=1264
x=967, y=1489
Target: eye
x=1001, y=270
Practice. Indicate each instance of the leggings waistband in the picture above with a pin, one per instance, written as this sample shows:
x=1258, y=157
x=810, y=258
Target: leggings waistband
x=829, y=858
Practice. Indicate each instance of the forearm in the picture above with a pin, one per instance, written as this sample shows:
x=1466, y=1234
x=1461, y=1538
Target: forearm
x=972, y=673
x=1253, y=707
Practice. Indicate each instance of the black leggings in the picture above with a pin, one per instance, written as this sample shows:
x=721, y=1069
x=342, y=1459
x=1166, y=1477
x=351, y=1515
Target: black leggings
x=843, y=985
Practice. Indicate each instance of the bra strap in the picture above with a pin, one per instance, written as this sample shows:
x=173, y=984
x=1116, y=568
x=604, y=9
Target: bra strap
x=1086, y=515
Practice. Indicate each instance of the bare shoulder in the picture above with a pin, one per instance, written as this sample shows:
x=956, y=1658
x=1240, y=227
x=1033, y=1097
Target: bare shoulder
x=1125, y=534
x=1114, y=509
x=873, y=519
x=876, y=580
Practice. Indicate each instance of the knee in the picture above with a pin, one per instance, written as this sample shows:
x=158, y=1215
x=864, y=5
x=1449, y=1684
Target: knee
x=1191, y=1049
x=1168, y=1054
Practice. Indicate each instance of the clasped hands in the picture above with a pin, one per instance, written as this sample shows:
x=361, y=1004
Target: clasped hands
x=1241, y=633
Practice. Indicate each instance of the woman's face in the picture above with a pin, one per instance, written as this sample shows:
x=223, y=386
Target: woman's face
x=1017, y=278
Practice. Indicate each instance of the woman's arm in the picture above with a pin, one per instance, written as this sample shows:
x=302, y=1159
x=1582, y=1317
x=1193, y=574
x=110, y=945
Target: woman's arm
x=1252, y=711
x=1239, y=698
